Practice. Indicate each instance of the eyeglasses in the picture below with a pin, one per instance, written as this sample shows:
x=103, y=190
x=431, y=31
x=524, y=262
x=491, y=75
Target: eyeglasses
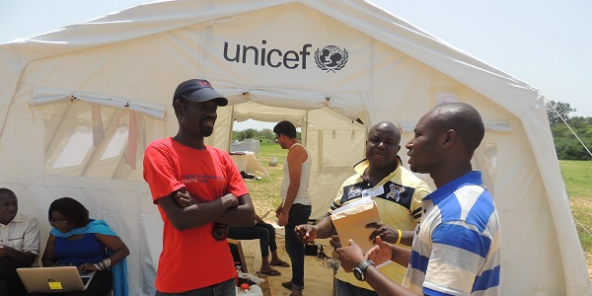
x=59, y=221
x=276, y=137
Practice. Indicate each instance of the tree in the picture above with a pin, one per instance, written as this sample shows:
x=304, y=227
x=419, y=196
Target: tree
x=558, y=110
x=250, y=133
x=568, y=147
x=579, y=122
x=266, y=134
x=238, y=135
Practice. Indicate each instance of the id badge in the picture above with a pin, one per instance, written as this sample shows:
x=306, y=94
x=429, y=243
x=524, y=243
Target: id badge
x=372, y=192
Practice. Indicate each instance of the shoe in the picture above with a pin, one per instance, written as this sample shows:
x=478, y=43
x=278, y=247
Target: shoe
x=287, y=285
x=281, y=264
x=272, y=272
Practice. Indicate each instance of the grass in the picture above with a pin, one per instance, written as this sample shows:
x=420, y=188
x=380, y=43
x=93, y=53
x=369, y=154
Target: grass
x=265, y=192
x=577, y=176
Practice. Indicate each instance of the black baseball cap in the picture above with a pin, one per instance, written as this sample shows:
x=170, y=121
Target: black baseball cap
x=199, y=90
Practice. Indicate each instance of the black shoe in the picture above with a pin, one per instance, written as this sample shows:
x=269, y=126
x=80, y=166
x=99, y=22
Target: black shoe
x=287, y=285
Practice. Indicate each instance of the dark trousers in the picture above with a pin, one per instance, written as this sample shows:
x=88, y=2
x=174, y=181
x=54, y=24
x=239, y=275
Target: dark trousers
x=346, y=289
x=226, y=288
x=262, y=231
x=299, y=214
x=10, y=282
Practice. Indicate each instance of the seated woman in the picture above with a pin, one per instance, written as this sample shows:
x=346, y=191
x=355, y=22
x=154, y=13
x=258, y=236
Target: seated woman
x=88, y=244
x=266, y=235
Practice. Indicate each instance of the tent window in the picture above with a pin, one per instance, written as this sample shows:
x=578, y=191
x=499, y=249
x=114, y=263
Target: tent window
x=95, y=141
x=117, y=143
x=77, y=147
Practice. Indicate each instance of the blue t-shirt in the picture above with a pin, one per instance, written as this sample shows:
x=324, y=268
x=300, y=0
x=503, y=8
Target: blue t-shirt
x=87, y=249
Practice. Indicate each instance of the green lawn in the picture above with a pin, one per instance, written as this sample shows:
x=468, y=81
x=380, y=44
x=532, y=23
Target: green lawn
x=265, y=192
x=577, y=176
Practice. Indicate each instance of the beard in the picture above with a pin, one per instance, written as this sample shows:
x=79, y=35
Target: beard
x=206, y=131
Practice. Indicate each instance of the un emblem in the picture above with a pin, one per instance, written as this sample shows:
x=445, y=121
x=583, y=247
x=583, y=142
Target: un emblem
x=331, y=58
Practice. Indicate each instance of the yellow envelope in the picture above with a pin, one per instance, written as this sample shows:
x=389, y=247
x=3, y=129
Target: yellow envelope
x=350, y=222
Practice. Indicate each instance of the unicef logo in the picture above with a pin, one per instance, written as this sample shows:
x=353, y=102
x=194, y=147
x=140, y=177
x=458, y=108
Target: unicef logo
x=331, y=58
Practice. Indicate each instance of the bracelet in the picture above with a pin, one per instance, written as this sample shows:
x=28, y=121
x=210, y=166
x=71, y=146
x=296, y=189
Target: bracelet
x=400, y=236
x=106, y=263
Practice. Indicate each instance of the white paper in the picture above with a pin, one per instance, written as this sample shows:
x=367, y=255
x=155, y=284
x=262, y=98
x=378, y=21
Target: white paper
x=351, y=205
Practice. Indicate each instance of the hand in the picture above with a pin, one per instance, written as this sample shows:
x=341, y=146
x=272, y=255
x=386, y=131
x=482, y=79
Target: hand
x=335, y=242
x=229, y=200
x=87, y=267
x=306, y=233
x=385, y=232
x=5, y=251
x=381, y=252
x=183, y=198
x=282, y=219
x=350, y=256
x=278, y=211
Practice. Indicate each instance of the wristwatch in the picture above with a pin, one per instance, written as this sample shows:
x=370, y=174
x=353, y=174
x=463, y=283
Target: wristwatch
x=361, y=269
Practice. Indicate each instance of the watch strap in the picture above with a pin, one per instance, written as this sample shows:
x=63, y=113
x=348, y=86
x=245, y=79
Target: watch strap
x=361, y=268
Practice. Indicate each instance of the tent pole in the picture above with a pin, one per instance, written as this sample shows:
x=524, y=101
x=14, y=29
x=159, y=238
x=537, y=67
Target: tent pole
x=304, y=130
x=231, y=125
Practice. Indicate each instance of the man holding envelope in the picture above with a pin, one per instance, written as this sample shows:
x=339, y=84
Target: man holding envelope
x=381, y=184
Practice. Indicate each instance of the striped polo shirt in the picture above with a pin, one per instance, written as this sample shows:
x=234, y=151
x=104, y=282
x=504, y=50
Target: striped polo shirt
x=456, y=248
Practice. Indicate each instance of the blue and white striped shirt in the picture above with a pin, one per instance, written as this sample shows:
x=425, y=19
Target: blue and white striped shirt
x=456, y=249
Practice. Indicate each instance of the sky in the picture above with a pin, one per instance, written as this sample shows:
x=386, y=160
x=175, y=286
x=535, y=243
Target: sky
x=545, y=43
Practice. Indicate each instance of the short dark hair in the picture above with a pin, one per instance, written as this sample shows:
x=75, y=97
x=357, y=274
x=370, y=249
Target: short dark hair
x=285, y=127
x=74, y=211
x=7, y=192
x=182, y=99
x=391, y=128
x=465, y=120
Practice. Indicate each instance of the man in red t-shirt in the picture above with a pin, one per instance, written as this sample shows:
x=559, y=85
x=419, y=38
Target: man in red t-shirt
x=183, y=169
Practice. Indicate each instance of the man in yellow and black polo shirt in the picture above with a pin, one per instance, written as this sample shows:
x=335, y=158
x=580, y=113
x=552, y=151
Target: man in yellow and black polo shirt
x=397, y=193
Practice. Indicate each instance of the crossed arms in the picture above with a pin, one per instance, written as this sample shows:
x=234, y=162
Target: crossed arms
x=184, y=213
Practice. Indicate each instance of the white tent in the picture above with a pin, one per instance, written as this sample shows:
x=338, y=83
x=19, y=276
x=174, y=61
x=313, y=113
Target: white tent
x=78, y=106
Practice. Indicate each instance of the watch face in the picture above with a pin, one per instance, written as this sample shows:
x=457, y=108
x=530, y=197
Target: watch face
x=358, y=274
x=361, y=268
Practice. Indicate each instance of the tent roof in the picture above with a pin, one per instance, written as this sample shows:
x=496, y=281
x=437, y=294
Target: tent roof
x=363, y=16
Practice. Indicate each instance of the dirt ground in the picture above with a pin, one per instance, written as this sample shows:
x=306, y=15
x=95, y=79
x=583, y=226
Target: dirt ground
x=318, y=275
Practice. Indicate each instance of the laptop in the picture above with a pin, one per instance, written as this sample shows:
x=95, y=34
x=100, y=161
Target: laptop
x=57, y=279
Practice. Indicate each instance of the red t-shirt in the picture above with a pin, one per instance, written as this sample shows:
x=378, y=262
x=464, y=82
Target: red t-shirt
x=191, y=259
